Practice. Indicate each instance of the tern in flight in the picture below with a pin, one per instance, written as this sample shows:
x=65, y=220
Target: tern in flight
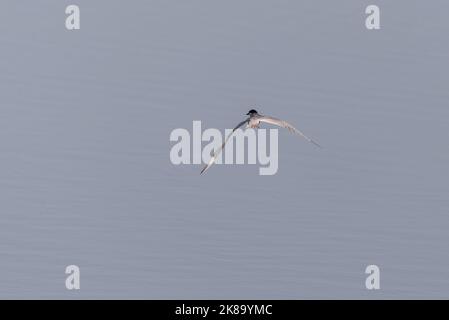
x=253, y=121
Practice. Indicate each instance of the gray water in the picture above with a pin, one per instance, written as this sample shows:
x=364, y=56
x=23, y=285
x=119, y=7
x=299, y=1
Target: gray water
x=86, y=178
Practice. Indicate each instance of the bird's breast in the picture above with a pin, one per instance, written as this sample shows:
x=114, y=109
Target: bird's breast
x=253, y=123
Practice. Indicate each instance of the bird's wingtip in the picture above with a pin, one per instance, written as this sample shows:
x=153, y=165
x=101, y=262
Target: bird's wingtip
x=318, y=145
x=204, y=169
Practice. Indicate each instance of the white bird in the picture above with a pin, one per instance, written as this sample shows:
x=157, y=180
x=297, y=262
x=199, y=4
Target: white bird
x=253, y=121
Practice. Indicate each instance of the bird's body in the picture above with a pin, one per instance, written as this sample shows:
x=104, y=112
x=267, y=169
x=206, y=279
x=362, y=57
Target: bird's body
x=253, y=121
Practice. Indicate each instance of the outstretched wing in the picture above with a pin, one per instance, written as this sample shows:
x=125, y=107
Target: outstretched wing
x=216, y=153
x=285, y=124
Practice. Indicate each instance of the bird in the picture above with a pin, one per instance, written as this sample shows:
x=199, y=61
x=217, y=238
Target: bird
x=253, y=121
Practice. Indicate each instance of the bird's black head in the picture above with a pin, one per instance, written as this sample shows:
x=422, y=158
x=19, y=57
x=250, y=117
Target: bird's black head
x=251, y=112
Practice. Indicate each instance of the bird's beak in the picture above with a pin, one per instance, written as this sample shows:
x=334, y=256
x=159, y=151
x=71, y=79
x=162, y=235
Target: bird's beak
x=247, y=114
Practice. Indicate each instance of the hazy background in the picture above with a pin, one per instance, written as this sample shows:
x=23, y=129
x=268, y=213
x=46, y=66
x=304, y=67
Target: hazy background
x=86, y=179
